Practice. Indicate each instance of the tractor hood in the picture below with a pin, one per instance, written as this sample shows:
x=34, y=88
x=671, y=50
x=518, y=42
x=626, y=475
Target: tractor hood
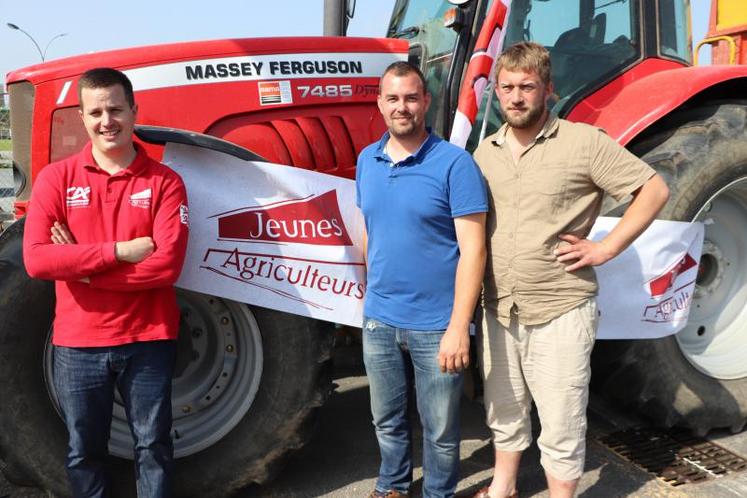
x=308, y=102
x=163, y=55
x=631, y=103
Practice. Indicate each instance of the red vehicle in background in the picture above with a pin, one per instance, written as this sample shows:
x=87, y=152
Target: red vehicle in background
x=248, y=378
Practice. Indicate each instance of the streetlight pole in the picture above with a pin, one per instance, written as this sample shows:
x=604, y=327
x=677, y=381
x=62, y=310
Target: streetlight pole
x=44, y=55
x=38, y=48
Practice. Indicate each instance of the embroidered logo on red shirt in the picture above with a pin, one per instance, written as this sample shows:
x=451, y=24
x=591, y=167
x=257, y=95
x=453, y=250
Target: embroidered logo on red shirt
x=184, y=214
x=78, y=196
x=141, y=199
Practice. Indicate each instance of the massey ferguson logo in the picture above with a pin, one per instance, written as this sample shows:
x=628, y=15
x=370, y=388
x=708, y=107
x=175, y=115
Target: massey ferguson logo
x=78, y=196
x=315, y=220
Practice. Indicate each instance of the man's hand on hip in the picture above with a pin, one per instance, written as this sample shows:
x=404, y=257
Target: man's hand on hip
x=135, y=250
x=586, y=252
x=453, y=355
x=647, y=202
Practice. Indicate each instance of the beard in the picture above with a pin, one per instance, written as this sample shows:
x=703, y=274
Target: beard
x=526, y=120
x=404, y=129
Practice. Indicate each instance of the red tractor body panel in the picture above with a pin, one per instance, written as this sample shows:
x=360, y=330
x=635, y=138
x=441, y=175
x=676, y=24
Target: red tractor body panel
x=635, y=100
x=306, y=102
x=131, y=57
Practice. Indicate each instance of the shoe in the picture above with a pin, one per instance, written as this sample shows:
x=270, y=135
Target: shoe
x=483, y=493
x=392, y=493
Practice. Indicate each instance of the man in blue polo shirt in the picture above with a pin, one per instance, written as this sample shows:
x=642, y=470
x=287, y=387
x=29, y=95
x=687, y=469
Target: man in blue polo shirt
x=424, y=203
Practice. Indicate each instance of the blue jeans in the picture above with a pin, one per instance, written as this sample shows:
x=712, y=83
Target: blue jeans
x=85, y=379
x=391, y=354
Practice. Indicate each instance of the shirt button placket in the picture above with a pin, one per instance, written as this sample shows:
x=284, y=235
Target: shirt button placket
x=392, y=171
x=516, y=212
x=108, y=190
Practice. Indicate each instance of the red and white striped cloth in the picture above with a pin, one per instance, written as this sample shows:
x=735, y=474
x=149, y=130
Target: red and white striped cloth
x=480, y=71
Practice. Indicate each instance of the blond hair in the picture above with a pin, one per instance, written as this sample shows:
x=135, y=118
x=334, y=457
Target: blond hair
x=528, y=57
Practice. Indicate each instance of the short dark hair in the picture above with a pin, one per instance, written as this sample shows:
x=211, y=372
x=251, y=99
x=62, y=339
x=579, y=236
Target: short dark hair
x=105, y=77
x=403, y=68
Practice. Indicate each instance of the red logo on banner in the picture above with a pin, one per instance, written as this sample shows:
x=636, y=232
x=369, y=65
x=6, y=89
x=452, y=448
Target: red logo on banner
x=660, y=285
x=307, y=221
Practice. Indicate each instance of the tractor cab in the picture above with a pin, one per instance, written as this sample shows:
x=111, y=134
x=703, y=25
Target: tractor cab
x=625, y=66
x=591, y=42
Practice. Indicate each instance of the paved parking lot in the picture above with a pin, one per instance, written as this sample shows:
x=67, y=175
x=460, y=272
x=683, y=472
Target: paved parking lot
x=341, y=460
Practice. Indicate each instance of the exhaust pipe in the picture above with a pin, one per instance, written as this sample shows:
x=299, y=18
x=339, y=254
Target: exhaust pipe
x=337, y=14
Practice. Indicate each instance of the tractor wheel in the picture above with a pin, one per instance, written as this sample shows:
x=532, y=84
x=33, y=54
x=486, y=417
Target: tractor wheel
x=33, y=438
x=697, y=378
x=246, y=386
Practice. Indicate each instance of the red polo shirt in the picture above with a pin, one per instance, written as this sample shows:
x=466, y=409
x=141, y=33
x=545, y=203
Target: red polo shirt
x=124, y=302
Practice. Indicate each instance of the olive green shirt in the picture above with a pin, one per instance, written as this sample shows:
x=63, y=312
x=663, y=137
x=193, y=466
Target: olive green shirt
x=555, y=188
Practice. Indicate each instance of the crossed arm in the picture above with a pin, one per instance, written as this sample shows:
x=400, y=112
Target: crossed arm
x=52, y=253
x=129, y=251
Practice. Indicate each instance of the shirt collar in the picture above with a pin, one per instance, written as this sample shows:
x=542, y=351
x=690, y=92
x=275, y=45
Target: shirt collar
x=135, y=168
x=416, y=156
x=547, y=131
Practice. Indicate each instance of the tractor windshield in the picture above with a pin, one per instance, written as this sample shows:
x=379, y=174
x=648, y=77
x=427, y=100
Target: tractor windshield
x=587, y=39
x=431, y=45
x=590, y=42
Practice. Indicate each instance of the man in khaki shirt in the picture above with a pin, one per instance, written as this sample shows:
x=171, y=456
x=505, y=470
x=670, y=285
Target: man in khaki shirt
x=546, y=178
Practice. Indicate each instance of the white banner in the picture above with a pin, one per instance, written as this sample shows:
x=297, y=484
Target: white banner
x=275, y=236
x=290, y=239
x=646, y=291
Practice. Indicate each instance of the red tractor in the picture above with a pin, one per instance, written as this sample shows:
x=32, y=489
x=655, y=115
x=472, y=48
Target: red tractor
x=249, y=379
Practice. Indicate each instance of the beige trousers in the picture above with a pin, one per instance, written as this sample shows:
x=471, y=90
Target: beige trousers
x=550, y=364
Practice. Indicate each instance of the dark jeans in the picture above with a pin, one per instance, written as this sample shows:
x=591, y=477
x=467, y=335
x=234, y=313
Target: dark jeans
x=389, y=353
x=85, y=379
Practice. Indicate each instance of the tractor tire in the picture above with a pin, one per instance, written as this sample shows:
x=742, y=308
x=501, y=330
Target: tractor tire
x=697, y=378
x=246, y=388
x=33, y=439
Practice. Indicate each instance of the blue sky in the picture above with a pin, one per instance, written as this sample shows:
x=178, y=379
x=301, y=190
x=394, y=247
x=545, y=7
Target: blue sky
x=92, y=27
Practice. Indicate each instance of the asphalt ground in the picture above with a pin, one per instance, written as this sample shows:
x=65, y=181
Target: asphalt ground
x=341, y=460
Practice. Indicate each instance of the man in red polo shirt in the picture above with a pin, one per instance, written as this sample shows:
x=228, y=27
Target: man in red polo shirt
x=109, y=225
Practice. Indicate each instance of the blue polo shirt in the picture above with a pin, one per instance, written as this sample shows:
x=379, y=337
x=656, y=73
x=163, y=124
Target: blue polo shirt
x=409, y=210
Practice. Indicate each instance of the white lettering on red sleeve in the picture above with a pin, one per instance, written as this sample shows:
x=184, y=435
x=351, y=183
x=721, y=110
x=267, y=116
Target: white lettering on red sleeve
x=184, y=214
